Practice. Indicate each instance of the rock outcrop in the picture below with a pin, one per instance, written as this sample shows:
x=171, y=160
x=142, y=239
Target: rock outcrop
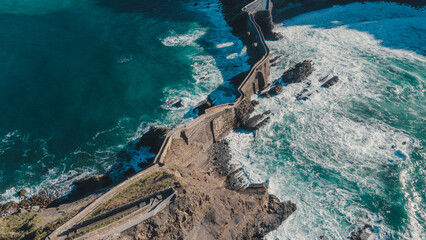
x=273, y=90
x=330, y=82
x=154, y=138
x=298, y=72
x=202, y=106
x=204, y=210
x=255, y=122
x=90, y=184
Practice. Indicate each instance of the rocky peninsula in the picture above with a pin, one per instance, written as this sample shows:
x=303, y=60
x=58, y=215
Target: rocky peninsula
x=189, y=190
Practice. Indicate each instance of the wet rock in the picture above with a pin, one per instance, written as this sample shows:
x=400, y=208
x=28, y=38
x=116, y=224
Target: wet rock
x=362, y=233
x=178, y=103
x=24, y=204
x=330, y=82
x=237, y=180
x=255, y=122
x=154, y=138
x=274, y=59
x=22, y=193
x=90, y=184
x=254, y=103
x=298, y=72
x=202, y=106
x=41, y=199
x=275, y=89
x=243, y=110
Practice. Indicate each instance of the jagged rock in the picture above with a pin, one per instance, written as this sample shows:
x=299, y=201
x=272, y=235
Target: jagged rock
x=24, y=204
x=274, y=59
x=41, y=199
x=22, y=193
x=219, y=157
x=362, y=233
x=243, y=110
x=330, y=82
x=90, y=184
x=275, y=89
x=35, y=208
x=237, y=180
x=298, y=72
x=255, y=122
x=254, y=103
x=9, y=208
x=154, y=138
x=178, y=103
x=202, y=106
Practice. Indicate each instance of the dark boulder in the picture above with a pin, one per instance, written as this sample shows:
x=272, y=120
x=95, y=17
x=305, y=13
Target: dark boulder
x=275, y=89
x=255, y=122
x=41, y=199
x=90, y=184
x=22, y=193
x=9, y=208
x=254, y=103
x=330, y=82
x=362, y=233
x=154, y=138
x=178, y=103
x=298, y=72
x=244, y=109
x=202, y=106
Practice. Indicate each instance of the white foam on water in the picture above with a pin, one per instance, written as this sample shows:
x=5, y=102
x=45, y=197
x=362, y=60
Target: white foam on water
x=329, y=153
x=212, y=66
x=188, y=39
x=224, y=45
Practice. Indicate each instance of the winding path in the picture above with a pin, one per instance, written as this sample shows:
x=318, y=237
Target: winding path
x=245, y=90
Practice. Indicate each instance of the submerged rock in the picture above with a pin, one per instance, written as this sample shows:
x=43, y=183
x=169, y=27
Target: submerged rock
x=178, y=103
x=298, y=72
x=154, y=138
x=330, y=82
x=362, y=233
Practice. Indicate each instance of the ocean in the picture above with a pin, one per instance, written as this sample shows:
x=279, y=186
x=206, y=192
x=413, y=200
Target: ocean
x=352, y=154
x=82, y=80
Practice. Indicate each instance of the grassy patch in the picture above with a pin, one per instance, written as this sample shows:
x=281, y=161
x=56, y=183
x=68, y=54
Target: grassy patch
x=96, y=227
x=152, y=183
x=18, y=226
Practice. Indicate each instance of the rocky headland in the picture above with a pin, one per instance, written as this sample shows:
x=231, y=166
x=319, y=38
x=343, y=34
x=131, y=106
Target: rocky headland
x=189, y=190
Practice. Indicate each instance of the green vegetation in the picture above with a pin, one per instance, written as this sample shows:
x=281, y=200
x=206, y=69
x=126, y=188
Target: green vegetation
x=95, y=227
x=152, y=183
x=17, y=226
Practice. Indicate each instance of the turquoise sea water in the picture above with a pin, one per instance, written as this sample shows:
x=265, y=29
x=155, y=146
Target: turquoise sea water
x=80, y=79
x=353, y=154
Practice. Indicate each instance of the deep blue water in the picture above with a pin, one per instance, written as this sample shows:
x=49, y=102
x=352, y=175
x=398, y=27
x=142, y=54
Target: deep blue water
x=80, y=79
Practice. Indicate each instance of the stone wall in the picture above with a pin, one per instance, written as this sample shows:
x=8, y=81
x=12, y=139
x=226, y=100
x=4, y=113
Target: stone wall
x=218, y=121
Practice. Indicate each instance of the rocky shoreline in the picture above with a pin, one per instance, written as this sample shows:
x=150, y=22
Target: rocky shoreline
x=214, y=200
